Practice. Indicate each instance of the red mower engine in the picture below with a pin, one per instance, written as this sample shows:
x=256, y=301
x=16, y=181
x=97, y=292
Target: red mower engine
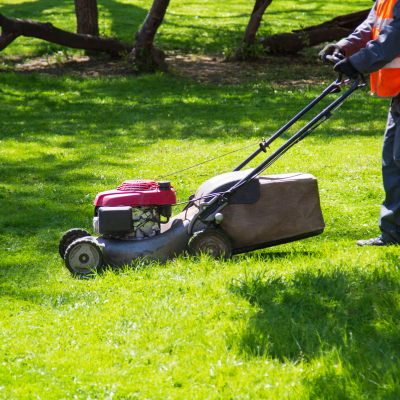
x=134, y=209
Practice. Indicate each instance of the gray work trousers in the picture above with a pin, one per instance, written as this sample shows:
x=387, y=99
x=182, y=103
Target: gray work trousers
x=389, y=217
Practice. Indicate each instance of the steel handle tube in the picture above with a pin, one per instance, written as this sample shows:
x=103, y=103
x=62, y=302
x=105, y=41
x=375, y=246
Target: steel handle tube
x=248, y=159
x=330, y=89
x=215, y=203
x=296, y=136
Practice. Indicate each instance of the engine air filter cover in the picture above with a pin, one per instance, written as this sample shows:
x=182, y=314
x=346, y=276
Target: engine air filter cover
x=115, y=220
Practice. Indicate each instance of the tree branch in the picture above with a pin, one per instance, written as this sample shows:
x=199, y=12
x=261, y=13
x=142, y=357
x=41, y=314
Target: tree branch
x=6, y=39
x=12, y=28
x=348, y=21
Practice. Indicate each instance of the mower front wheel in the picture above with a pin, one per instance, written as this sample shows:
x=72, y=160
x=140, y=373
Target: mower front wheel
x=69, y=237
x=84, y=257
x=211, y=241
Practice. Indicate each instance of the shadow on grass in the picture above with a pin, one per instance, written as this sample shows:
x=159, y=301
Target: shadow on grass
x=314, y=311
x=354, y=314
x=163, y=107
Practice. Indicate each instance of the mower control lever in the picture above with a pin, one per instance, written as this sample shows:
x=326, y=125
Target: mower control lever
x=208, y=210
x=334, y=58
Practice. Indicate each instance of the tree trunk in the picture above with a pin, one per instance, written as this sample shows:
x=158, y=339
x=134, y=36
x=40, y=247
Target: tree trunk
x=87, y=17
x=12, y=28
x=144, y=55
x=329, y=31
x=249, y=36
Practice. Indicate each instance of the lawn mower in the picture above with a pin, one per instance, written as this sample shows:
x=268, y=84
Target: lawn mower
x=232, y=213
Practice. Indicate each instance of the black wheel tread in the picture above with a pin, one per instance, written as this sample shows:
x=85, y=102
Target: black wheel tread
x=69, y=237
x=71, y=247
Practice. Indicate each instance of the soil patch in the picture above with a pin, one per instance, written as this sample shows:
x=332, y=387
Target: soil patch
x=287, y=71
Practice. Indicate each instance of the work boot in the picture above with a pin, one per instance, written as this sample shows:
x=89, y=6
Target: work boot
x=373, y=242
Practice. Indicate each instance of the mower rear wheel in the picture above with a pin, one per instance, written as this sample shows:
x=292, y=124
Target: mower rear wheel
x=84, y=257
x=69, y=237
x=211, y=241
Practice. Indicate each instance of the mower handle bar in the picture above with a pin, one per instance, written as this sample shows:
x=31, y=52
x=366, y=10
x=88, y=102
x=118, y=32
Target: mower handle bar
x=334, y=87
x=335, y=58
x=307, y=129
x=222, y=198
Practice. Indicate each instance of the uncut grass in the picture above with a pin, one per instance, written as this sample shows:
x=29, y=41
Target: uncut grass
x=311, y=319
x=196, y=27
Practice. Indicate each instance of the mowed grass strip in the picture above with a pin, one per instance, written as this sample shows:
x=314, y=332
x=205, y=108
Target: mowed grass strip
x=312, y=319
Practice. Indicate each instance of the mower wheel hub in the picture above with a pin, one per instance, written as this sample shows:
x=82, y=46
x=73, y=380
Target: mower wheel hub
x=83, y=257
x=211, y=241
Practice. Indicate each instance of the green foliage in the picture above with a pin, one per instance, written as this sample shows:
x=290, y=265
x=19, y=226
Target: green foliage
x=312, y=319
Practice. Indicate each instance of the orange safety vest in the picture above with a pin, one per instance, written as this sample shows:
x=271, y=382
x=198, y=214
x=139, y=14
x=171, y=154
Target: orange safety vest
x=386, y=81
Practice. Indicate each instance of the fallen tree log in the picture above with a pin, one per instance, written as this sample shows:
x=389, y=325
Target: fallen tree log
x=13, y=28
x=329, y=31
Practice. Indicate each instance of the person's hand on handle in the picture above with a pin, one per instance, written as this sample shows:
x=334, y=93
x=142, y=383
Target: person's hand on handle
x=328, y=50
x=345, y=67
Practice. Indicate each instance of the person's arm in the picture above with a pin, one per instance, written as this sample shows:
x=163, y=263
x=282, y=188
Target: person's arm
x=360, y=37
x=381, y=51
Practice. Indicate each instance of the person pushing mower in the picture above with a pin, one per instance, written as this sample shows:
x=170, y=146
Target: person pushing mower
x=374, y=47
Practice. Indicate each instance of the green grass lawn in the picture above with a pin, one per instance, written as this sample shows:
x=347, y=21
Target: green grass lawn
x=311, y=319
x=314, y=319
